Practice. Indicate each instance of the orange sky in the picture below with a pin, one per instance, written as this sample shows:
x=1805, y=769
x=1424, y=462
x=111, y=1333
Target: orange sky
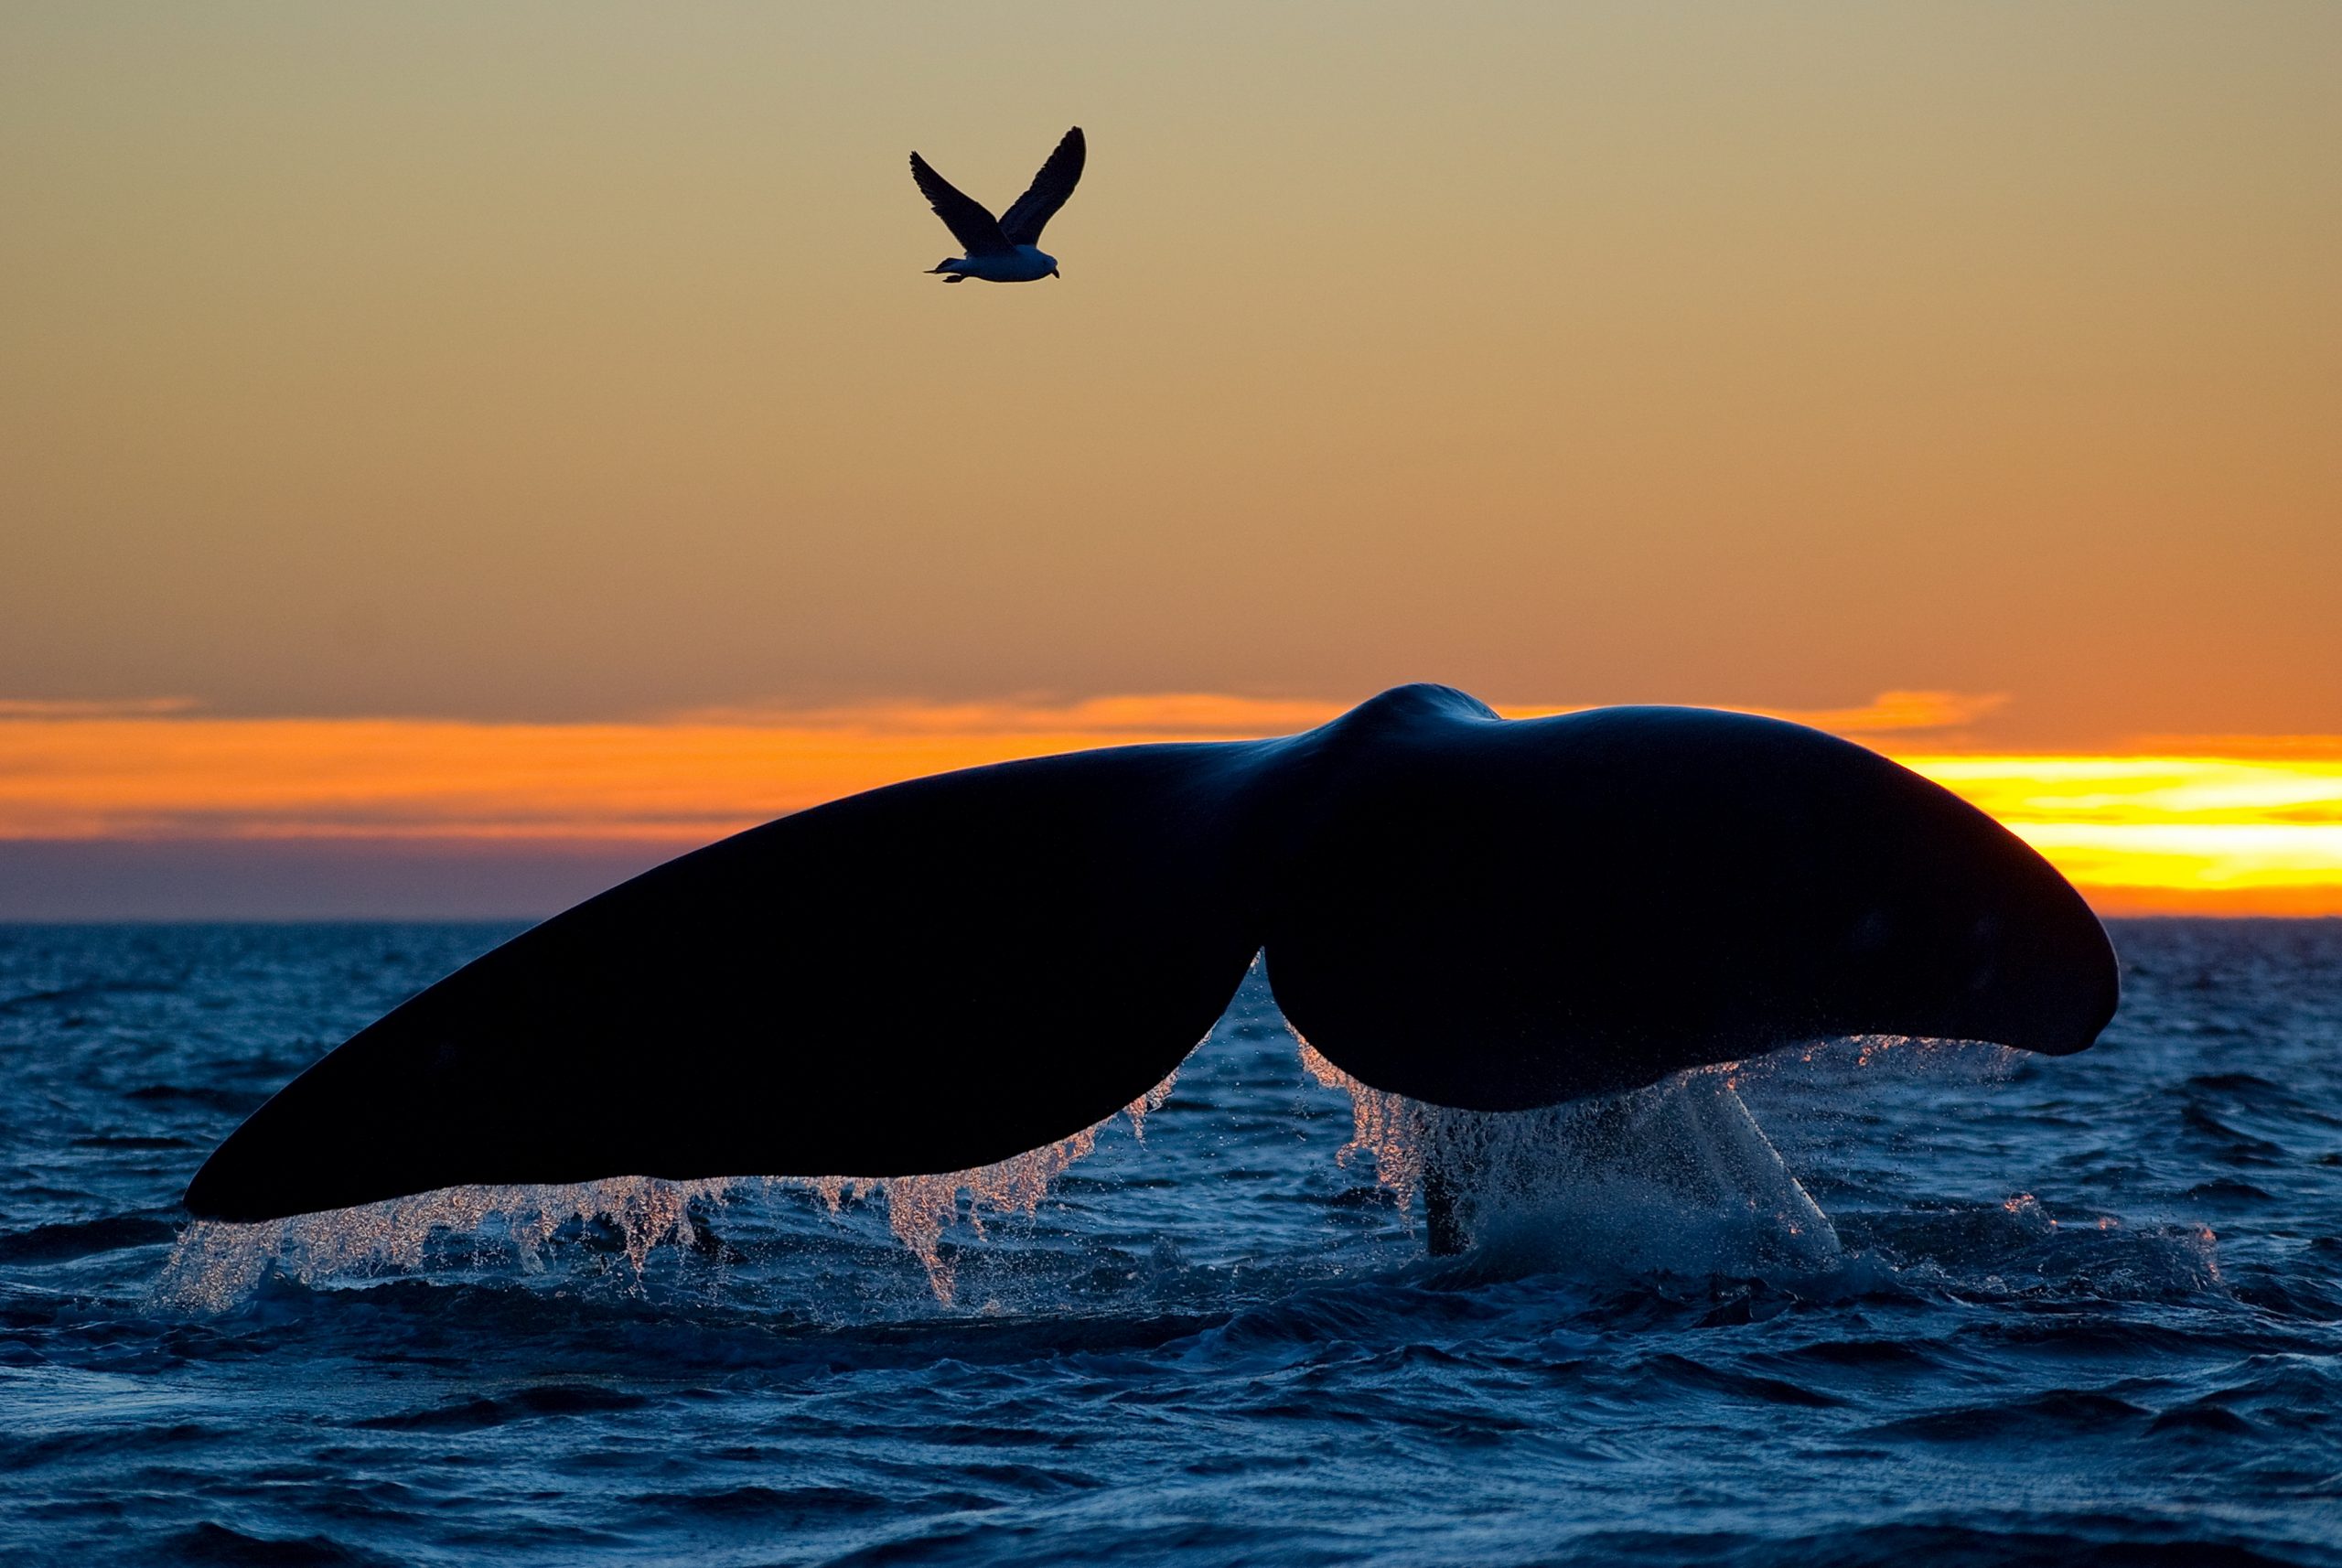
x=2176, y=830
x=561, y=369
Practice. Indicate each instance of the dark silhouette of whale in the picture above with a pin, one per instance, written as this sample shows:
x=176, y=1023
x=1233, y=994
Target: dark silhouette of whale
x=943, y=973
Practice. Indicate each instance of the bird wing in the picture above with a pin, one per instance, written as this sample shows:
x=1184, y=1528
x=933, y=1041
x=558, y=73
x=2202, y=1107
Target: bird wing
x=970, y=221
x=1031, y=213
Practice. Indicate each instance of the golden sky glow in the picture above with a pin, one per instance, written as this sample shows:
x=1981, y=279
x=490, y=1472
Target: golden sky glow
x=2173, y=833
x=562, y=382
x=560, y=363
x=2139, y=833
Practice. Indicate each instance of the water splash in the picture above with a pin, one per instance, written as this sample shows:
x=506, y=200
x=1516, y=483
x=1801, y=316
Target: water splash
x=1674, y=1178
x=921, y=1208
x=216, y=1264
x=1391, y=1129
x=1909, y=1056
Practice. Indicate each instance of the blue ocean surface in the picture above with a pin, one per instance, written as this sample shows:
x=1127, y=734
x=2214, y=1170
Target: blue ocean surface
x=2074, y=1311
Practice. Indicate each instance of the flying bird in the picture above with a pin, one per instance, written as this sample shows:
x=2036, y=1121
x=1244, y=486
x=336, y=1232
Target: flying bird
x=1006, y=249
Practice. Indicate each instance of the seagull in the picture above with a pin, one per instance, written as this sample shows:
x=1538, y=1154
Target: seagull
x=1005, y=249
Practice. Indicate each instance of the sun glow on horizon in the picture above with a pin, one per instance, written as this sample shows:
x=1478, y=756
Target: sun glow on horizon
x=2172, y=833
x=2257, y=830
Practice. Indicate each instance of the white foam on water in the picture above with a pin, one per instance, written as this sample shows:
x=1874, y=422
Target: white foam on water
x=1675, y=1178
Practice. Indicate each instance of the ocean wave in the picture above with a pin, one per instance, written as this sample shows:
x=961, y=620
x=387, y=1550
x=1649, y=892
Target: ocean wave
x=2073, y=1311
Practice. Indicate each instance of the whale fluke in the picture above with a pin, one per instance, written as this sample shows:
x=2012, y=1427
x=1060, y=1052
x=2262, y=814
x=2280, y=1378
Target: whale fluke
x=933, y=976
x=941, y=974
x=1496, y=915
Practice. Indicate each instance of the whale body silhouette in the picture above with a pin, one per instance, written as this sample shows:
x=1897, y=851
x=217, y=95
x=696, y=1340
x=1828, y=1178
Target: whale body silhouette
x=1477, y=912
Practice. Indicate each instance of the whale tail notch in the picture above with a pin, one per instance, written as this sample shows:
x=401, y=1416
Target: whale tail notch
x=1480, y=913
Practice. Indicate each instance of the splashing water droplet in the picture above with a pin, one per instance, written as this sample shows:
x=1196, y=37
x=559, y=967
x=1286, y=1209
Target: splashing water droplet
x=216, y=1264
x=1675, y=1177
x=921, y=1208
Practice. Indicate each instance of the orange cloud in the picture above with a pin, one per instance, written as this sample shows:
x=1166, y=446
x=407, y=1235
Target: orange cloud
x=2252, y=826
x=685, y=779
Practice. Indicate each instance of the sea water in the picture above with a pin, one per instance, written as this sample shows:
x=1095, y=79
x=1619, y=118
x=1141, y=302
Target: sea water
x=1869, y=1301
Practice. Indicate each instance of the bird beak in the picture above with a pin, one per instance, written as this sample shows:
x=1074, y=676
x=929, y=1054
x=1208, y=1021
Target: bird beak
x=1054, y=273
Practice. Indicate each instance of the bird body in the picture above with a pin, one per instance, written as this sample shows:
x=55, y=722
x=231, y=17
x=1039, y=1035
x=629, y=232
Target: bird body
x=1025, y=264
x=1005, y=249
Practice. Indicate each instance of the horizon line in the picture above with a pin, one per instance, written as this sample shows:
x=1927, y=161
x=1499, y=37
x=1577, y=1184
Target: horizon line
x=2229, y=823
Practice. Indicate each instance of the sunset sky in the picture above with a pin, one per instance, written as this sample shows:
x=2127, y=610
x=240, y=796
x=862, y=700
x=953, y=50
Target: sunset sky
x=453, y=456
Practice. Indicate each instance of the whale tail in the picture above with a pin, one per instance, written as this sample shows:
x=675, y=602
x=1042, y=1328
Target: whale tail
x=930, y=977
x=941, y=974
